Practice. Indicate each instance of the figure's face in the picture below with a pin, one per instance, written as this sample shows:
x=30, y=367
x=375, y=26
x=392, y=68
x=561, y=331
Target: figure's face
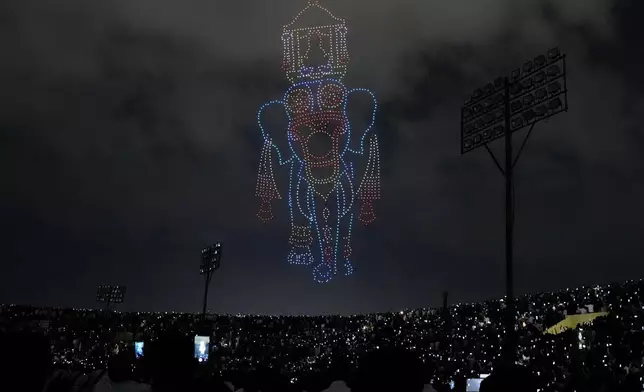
x=318, y=128
x=317, y=139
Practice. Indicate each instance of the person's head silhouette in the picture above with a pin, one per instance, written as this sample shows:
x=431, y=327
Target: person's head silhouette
x=389, y=370
x=171, y=362
x=119, y=368
x=509, y=379
x=25, y=360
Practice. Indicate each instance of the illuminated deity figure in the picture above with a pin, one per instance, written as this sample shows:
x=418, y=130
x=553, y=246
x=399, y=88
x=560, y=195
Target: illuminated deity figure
x=323, y=180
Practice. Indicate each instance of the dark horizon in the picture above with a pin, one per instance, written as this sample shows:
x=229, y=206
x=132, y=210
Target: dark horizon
x=129, y=142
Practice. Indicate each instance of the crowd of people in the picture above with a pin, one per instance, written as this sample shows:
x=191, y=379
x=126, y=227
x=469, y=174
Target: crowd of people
x=449, y=345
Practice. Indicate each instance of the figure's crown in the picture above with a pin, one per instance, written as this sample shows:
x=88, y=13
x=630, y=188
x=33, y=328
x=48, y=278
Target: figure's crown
x=324, y=32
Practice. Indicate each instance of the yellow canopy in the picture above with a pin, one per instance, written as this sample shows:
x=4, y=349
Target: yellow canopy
x=573, y=321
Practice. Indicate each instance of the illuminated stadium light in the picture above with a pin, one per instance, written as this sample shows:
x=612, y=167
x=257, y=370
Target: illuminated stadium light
x=210, y=262
x=210, y=258
x=110, y=295
x=531, y=93
x=535, y=91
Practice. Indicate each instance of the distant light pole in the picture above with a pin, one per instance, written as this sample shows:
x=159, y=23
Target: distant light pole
x=110, y=295
x=530, y=94
x=210, y=261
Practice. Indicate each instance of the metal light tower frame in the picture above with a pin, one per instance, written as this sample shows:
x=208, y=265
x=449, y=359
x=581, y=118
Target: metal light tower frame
x=531, y=94
x=210, y=262
x=110, y=295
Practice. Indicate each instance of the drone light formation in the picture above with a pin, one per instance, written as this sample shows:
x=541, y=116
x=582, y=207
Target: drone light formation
x=324, y=186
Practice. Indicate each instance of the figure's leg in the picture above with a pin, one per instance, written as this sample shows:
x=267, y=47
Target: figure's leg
x=346, y=247
x=301, y=239
x=324, y=270
x=346, y=226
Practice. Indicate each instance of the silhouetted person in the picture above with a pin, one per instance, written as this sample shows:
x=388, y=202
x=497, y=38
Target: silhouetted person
x=172, y=364
x=119, y=376
x=389, y=370
x=25, y=361
x=509, y=379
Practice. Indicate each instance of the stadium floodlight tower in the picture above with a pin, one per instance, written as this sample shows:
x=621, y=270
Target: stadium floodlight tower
x=210, y=261
x=110, y=295
x=532, y=93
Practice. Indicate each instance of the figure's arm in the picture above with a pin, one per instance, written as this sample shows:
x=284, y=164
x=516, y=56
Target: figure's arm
x=267, y=136
x=365, y=135
x=266, y=188
x=369, y=189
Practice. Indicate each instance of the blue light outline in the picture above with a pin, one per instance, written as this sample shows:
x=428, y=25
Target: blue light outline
x=346, y=170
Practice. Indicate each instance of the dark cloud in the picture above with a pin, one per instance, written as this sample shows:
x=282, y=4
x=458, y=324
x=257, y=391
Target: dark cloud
x=128, y=140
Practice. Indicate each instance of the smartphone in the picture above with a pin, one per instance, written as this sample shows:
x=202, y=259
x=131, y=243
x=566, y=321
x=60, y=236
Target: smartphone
x=473, y=384
x=138, y=349
x=202, y=347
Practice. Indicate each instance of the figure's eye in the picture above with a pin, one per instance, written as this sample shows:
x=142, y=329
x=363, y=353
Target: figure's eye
x=295, y=136
x=298, y=101
x=331, y=96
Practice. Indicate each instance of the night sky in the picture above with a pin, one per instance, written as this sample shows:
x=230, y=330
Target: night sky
x=128, y=141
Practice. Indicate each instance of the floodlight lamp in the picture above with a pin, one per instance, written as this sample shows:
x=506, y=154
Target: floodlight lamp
x=515, y=106
x=515, y=88
x=516, y=73
x=499, y=114
x=526, y=84
x=467, y=113
x=541, y=94
x=467, y=144
x=499, y=130
x=528, y=100
x=478, y=93
x=541, y=110
x=553, y=71
x=554, y=88
x=498, y=83
x=487, y=134
x=488, y=89
x=540, y=61
x=529, y=115
x=553, y=54
x=540, y=77
x=478, y=108
x=517, y=123
x=554, y=104
x=488, y=118
x=477, y=139
x=469, y=129
x=527, y=67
